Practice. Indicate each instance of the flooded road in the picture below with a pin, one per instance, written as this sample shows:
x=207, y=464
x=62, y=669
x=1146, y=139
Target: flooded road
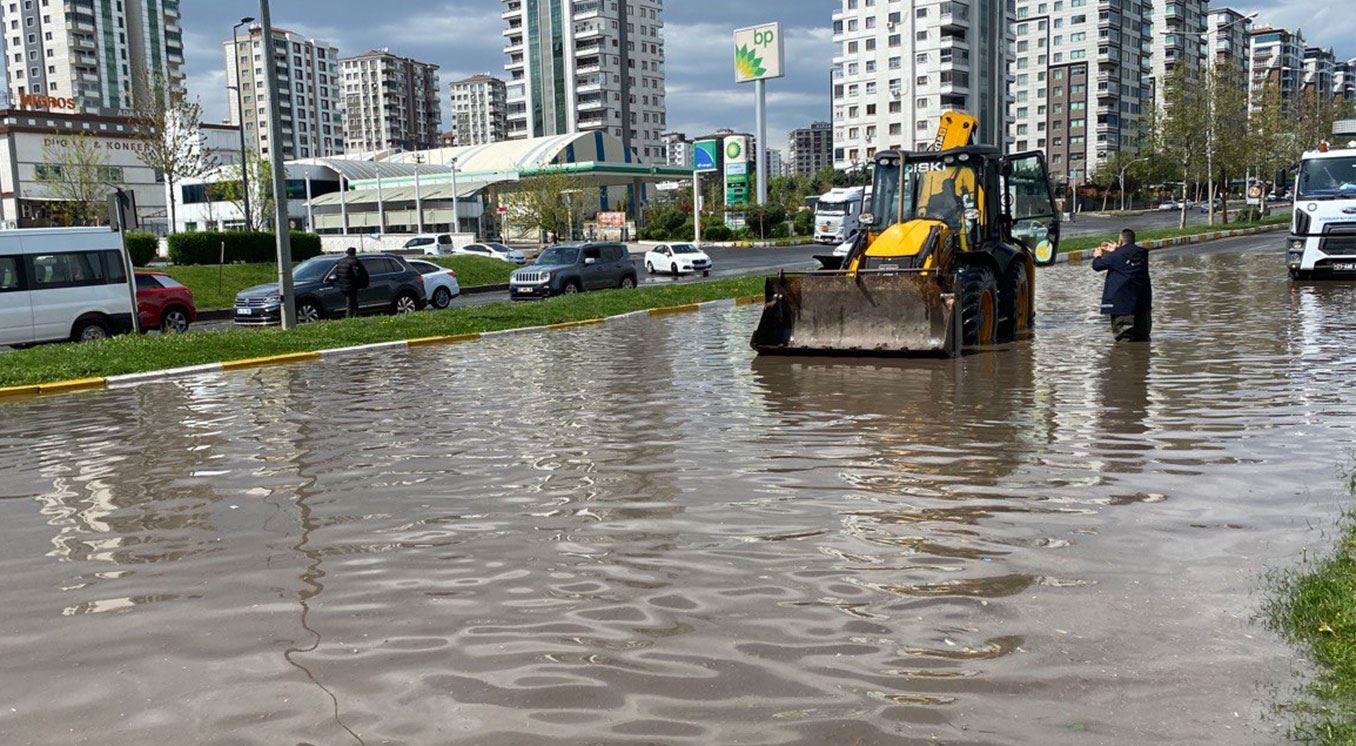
x=638, y=534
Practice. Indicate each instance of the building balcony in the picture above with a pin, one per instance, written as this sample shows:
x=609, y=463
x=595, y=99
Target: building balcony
x=587, y=10
x=592, y=103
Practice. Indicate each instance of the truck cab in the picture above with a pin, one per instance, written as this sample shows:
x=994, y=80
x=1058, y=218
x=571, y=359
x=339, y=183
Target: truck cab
x=1322, y=242
x=837, y=213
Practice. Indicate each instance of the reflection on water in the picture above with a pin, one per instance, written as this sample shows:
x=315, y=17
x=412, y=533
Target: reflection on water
x=639, y=534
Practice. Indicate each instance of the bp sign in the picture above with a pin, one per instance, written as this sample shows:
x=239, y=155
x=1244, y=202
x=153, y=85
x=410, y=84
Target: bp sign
x=706, y=156
x=758, y=53
x=736, y=148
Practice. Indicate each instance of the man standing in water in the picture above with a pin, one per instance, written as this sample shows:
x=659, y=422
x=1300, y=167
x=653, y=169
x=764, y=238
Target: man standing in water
x=1128, y=295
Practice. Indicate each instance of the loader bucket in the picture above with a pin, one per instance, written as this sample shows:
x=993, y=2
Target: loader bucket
x=826, y=313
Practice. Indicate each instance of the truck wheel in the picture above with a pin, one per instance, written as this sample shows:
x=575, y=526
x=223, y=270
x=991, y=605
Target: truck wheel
x=979, y=306
x=1016, y=314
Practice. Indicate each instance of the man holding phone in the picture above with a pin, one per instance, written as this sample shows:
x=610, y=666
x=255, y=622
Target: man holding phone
x=1127, y=297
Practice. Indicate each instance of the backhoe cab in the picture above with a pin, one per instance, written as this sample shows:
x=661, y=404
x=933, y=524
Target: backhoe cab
x=947, y=260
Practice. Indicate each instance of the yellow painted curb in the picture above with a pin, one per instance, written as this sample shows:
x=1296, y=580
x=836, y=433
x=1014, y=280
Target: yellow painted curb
x=574, y=324
x=259, y=362
x=19, y=391
x=675, y=309
x=748, y=300
x=454, y=339
x=81, y=384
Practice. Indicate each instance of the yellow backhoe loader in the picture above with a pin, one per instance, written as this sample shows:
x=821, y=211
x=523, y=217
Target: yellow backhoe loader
x=947, y=261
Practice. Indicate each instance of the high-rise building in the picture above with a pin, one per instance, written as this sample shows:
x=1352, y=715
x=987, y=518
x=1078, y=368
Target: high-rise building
x=810, y=149
x=480, y=110
x=1344, y=80
x=309, y=87
x=1319, y=67
x=1179, y=32
x=390, y=102
x=587, y=66
x=1277, y=60
x=776, y=165
x=897, y=67
x=677, y=149
x=1081, y=75
x=1226, y=40
x=90, y=57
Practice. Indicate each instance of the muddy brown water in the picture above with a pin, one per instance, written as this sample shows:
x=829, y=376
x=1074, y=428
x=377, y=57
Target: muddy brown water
x=638, y=534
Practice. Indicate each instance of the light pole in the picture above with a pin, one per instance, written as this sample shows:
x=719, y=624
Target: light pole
x=280, y=225
x=418, y=194
x=240, y=111
x=1123, y=170
x=456, y=202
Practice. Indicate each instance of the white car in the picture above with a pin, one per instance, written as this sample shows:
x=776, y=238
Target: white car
x=493, y=251
x=440, y=283
x=431, y=244
x=677, y=259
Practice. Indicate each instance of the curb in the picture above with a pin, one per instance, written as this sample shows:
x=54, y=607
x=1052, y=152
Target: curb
x=128, y=380
x=1078, y=257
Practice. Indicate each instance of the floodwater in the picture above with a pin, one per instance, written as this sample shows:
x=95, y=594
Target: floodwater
x=638, y=534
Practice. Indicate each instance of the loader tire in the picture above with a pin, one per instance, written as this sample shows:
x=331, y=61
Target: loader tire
x=979, y=306
x=1016, y=313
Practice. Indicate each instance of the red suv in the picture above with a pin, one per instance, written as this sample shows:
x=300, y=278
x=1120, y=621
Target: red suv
x=164, y=304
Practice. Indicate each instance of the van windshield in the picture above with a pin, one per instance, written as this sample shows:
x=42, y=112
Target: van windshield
x=559, y=255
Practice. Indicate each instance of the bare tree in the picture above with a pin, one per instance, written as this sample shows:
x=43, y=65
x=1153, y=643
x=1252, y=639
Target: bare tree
x=75, y=171
x=552, y=202
x=232, y=189
x=169, y=127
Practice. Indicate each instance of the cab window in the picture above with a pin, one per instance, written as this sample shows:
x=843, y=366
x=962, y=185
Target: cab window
x=10, y=280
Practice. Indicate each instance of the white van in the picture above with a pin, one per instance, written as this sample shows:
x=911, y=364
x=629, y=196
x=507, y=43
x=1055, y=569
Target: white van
x=60, y=284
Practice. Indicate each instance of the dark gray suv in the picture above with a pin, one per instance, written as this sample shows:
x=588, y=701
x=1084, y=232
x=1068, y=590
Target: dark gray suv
x=572, y=268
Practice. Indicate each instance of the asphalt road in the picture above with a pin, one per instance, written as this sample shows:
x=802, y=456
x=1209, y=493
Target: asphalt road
x=1096, y=225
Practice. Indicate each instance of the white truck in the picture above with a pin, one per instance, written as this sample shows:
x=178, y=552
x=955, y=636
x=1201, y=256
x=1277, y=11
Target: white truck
x=1322, y=239
x=837, y=213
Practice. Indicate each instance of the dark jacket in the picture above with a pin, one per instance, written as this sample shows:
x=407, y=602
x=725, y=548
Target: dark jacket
x=1128, y=290
x=350, y=274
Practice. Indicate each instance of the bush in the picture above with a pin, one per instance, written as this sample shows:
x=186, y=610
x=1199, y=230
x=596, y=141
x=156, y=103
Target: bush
x=717, y=233
x=780, y=230
x=143, y=248
x=805, y=223
x=241, y=246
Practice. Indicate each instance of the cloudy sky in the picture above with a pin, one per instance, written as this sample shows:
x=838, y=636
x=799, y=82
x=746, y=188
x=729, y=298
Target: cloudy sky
x=464, y=38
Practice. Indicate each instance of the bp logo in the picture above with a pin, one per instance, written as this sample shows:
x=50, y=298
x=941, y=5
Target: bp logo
x=733, y=150
x=748, y=64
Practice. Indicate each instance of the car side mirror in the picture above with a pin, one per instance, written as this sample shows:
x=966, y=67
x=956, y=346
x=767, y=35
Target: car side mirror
x=330, y=279
x=866, y=219
x=588, y=260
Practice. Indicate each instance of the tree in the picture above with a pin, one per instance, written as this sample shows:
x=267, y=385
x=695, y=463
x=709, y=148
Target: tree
x=232, y=189
x=168, y=125
x=1175, y=141
x=553, y=203
x=75, y=171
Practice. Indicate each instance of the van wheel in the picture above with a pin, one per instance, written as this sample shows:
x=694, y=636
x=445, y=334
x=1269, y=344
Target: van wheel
x=405, y=303
x=175, y=321
x=89, y=330
x=442, y=298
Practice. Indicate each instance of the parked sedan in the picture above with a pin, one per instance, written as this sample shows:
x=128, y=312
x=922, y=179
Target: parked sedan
x=394, y=287
x=677, y=259
x=440, y=283
x=493, y=251
x=163, y=303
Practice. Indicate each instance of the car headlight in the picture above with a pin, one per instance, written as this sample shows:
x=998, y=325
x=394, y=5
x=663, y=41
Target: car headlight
x=273, y=300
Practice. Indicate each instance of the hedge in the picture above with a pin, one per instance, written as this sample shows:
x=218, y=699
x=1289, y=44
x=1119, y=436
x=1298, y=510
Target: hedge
x=142, y=247
x=241, y=246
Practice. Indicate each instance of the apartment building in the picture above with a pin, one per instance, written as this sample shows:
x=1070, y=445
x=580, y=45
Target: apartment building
x=776, y=164
x=1081, y=80
x=310, y=86
x=390, y=102
x=480, y=110
x=1277, y=59
x=1344, y=80
x=82, y=56
x=1320, y=68
x=587, y=65
x=1179, y=38
x=898, y=66
x=809, y=149
x=677, y=149
x=1226, y=40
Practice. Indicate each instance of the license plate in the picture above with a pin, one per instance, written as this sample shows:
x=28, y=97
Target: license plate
x=246, y=311
x=522, y=290
x=1345, y=267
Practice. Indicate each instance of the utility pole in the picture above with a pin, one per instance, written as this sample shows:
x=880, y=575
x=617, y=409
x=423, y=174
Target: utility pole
x=418, y=194
x=456, y=204
x=240, y=109
x=281, y=228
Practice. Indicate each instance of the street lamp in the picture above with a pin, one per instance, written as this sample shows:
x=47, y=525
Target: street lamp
x=1123, y=170
x=418, y=194
x=240, y=111
x=456, y=200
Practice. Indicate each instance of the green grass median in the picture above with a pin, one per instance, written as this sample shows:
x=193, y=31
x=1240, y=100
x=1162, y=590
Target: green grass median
x=215, y=287
x=1083, y=243
x=130, y=354
x=1314, y=607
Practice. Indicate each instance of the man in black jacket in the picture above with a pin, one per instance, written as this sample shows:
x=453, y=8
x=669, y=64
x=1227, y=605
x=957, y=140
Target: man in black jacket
x=1128, y=295
x=350, y=276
